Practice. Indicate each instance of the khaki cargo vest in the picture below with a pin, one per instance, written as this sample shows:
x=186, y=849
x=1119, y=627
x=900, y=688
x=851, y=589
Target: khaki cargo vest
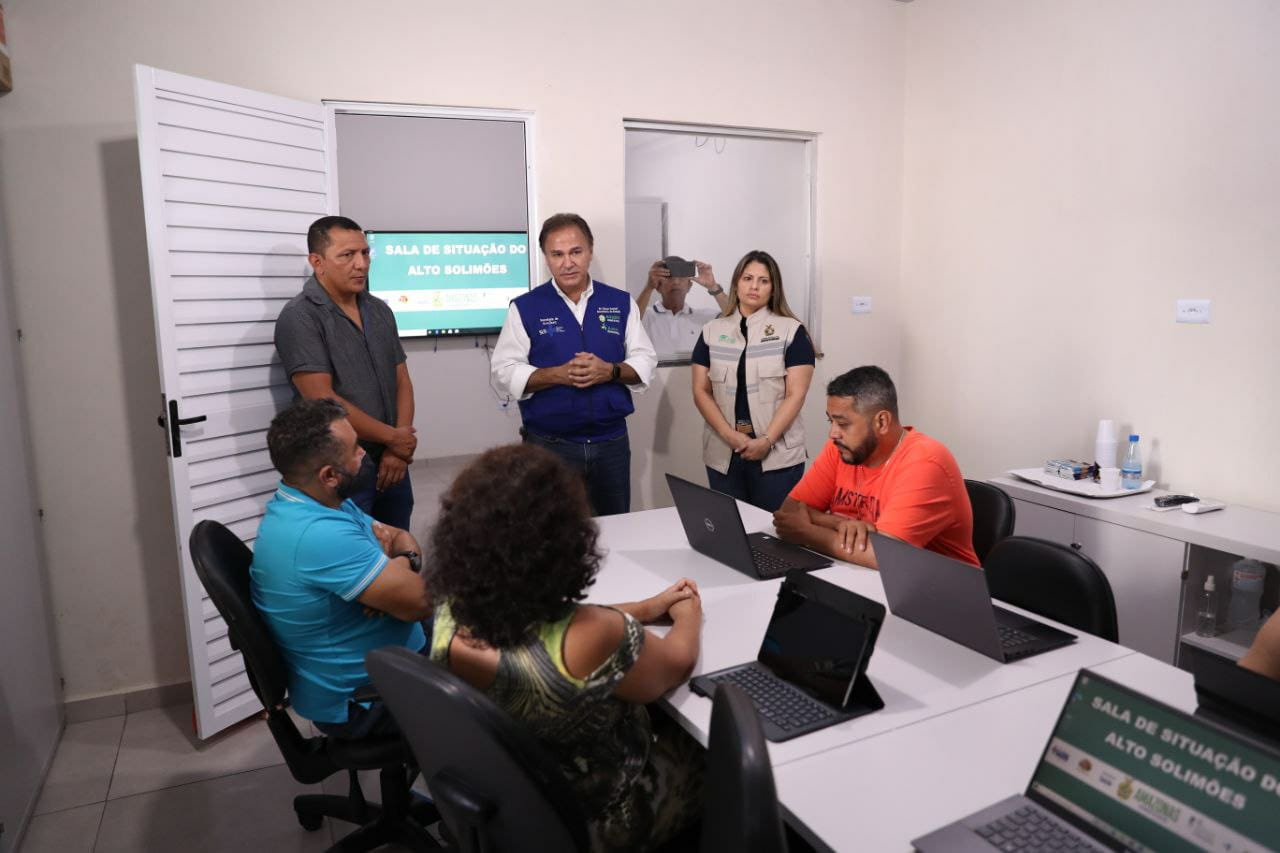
x=768, y=336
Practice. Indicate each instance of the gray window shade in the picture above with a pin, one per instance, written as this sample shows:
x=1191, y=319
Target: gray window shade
x=418, y=173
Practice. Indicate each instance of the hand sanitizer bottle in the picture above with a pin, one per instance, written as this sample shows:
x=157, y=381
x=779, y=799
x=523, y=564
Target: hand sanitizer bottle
x=1207, y=613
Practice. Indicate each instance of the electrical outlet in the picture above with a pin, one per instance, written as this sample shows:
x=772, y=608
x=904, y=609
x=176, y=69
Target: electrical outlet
x=1194, y=311
x=860, y=305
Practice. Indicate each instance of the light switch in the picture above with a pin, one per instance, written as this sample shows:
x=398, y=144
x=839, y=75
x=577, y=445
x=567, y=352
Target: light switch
x=861, y=305
x=1194, y=311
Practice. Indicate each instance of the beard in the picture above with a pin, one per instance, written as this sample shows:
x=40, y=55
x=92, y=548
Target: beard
x=346, y=485
x=861, y=453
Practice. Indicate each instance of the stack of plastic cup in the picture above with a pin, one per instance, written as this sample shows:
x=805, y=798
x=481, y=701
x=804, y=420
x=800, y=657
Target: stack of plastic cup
x=1106, y=444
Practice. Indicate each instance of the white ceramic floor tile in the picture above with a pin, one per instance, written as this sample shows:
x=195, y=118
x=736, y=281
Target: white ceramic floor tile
x=159, y=750
x=242, y=812
x=68, y=831
x=81, y=769
x=442, y=470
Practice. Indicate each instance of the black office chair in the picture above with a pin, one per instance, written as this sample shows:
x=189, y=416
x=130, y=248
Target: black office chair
x=993, y=516
x=1054, y=581
x=222, y=564
x=741, y=811
x=495, y=785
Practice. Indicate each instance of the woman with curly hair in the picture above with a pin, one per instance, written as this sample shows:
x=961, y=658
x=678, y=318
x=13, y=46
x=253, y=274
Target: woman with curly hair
x=512, y=555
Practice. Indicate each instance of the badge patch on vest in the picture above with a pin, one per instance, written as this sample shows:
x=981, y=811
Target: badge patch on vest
x=610, y=320
x=729, y=339
x=766, y=340
x=550, y=326
x=768, y=330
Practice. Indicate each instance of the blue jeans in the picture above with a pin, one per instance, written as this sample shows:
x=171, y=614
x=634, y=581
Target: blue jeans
x=392, y=506
x=747, y=482
x=604, y=465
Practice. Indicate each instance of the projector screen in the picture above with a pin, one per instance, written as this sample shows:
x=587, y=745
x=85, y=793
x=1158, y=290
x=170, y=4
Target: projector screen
x=442, y=283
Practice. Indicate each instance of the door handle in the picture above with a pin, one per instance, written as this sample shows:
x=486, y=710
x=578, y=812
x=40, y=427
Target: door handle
x=175, y=425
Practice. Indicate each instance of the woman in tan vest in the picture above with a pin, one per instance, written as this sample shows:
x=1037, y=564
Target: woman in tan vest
x=751, y=369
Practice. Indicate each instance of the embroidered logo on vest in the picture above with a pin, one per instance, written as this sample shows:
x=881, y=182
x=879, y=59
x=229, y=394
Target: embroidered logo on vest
x=550, y=327
x=768, y=330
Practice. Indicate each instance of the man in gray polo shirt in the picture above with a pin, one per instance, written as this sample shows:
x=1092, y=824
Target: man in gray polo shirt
x=336, y=340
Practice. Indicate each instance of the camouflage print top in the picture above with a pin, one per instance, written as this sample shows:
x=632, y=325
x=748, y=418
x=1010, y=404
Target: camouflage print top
x=601, y=742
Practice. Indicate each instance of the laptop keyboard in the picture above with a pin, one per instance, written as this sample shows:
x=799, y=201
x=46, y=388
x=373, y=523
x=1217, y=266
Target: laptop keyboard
x=768, y=564
x=1031, y=829
x=1012, y=637
x=783, y=704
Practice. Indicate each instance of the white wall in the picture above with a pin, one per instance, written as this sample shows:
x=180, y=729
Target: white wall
x=30, y=697
x=1071, y=170
x=72, y=207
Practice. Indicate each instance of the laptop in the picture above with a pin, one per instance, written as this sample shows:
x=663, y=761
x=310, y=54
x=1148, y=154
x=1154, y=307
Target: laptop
x=811, y=670
x=951, y=598
x=1122, y=771
x=713, y=526
x=1237, y=698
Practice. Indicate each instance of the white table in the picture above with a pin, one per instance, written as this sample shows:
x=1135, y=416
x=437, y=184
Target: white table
x=879, y=793
x=958, y=731
x=919, y=674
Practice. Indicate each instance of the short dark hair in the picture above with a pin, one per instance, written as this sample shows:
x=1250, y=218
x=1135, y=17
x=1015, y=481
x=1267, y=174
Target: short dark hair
x=564, y=220
x=869, y=386
x=318, y=234
x=514, y=545
x=301, y=441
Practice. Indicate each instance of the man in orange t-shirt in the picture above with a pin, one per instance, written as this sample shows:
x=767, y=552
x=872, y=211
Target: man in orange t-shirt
x=877, y=475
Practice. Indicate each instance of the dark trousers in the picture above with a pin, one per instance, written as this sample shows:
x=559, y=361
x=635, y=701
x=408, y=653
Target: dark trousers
x=746, y=481
x=604, y=465
x=392, y=506
x=362, y=722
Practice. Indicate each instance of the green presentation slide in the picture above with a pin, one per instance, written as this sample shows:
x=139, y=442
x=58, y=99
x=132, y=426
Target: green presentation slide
x=448, y=283
x=1156, y=779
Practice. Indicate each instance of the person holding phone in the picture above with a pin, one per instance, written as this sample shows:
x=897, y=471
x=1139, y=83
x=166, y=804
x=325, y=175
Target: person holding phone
x=751, y=370
x=672, y=323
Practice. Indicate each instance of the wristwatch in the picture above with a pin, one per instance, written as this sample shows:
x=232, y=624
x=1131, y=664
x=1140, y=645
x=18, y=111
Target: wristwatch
x=414, y=558
x=719, y=290
x=617, y=371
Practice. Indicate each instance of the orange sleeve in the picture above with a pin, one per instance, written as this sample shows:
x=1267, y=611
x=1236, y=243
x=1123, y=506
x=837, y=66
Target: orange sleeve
x=818, y=486
x=919, y=507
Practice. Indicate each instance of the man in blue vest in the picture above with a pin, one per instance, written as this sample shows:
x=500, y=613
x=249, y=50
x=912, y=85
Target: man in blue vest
x=571, y=351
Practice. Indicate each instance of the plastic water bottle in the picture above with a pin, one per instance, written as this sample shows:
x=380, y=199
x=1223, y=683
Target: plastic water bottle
x=1207, y=613
x=1247, y=579
x=1131, y=467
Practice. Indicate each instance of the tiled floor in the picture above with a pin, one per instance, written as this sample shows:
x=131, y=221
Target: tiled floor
x=431, y=478
x=143, y=782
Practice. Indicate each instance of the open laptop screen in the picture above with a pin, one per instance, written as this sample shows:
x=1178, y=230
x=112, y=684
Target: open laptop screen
x=1237, y=697
x=1153, y=778
x=816, y=643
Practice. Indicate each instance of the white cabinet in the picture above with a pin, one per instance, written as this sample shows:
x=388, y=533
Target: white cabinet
x=1156, y=562
x=1144, y=571
x=1042, y=522
x=1142, y=568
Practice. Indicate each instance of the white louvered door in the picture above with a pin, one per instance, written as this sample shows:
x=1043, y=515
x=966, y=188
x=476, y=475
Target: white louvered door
x=231, y=179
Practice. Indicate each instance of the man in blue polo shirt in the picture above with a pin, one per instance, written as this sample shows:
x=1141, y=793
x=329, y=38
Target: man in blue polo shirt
x=572, y=351
x=331, y=582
